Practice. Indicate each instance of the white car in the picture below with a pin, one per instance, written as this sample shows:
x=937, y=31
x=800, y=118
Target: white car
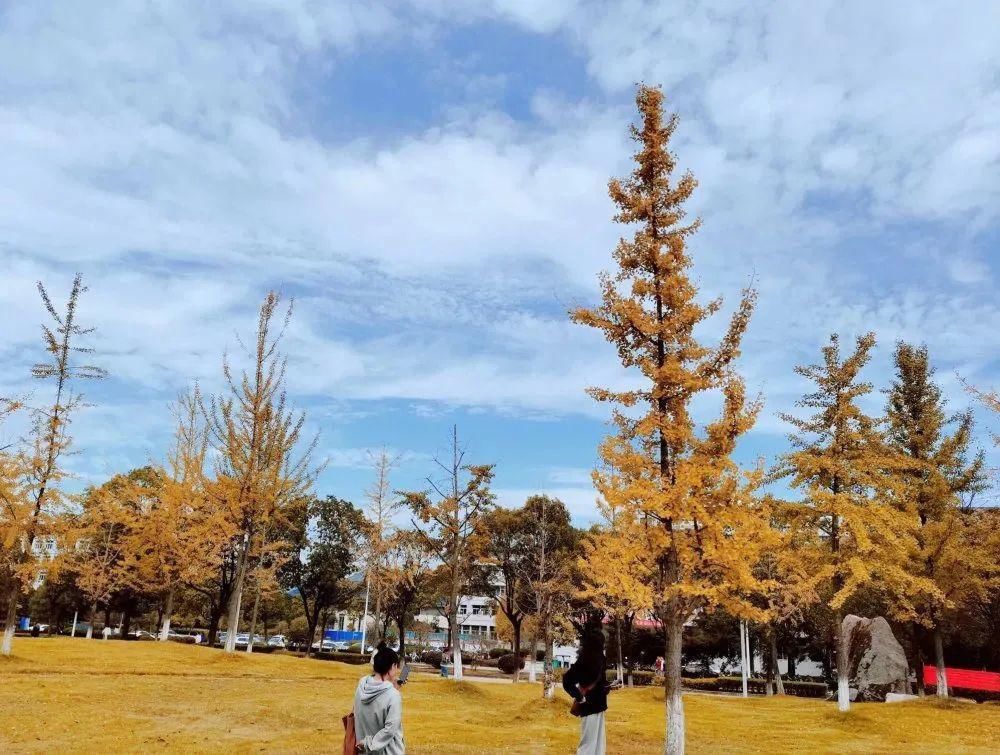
x=326, y=646
x=277, y=641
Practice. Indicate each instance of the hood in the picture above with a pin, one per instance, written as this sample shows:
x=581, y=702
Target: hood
x=372, y=688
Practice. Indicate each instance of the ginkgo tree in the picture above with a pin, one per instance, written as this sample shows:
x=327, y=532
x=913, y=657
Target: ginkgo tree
x=938, y=481
x=850, y=480
x=262, y=463
x=685, y=500
x=449, y=517
x=34, y=494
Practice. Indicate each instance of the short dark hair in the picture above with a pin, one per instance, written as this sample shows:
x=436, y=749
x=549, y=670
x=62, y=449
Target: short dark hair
x=385, y=658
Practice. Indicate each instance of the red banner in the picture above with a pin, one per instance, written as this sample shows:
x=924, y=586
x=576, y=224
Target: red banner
x=984, y=681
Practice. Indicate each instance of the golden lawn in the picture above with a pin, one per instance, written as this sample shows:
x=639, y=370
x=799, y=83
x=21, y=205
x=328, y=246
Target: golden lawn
x=63, y=695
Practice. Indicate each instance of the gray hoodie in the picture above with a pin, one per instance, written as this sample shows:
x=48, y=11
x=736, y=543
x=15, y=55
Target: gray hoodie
x=378, y=717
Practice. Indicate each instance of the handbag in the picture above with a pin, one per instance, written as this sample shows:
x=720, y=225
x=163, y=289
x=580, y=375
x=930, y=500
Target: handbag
x=350, y=738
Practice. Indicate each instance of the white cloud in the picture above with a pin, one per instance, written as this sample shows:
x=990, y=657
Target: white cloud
x=165, y=151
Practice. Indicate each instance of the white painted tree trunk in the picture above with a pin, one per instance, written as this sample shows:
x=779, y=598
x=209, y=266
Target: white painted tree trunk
x=843, y=673
x=674, y=743
x=532, y=652
x=942, y=675
x=456, y=655
x=236, y=599
x=7, y=646
x=73, y=633
x=168, y=609
x=234, y=621
x=90, y=624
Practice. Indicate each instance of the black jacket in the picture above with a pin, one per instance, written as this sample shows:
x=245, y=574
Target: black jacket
x=583, y=673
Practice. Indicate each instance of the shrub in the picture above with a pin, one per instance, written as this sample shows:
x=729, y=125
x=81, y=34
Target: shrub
x=510, y=663
x=432, y=657
x=496, y=653
x=354, y=648
x=755, y=686
x=352, y=659
x=639, y=678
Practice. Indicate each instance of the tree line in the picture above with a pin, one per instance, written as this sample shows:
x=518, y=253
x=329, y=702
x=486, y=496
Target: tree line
x=863, y=512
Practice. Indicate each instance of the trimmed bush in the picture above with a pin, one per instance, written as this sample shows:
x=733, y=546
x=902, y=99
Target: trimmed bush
x=352, y=659
x=497, y=653
x=510, y=663
x=755, y=686
x=639, y=678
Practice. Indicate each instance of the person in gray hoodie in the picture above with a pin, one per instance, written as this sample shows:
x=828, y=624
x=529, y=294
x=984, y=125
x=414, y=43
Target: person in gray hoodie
x=378, y=707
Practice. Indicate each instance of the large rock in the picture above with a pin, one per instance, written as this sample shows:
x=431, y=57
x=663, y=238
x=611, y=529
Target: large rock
x=876, y=660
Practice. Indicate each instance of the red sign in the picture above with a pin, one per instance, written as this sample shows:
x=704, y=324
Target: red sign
x=984, y=681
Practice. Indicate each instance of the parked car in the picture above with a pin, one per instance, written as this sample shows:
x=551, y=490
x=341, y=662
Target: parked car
x=277, y=641
x=326, y=646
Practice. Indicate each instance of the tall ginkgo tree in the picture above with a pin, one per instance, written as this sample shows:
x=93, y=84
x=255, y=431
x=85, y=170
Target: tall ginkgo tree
x=850, y=480
x=682, y=496
x=262, y=463
x=939, y=480
x=37, y=496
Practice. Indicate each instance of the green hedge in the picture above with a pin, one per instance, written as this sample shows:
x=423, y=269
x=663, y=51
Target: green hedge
x=639, y=678
x=353, y=659
x=755, y=686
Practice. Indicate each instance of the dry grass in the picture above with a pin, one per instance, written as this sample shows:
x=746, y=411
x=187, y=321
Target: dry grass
x=63, y=695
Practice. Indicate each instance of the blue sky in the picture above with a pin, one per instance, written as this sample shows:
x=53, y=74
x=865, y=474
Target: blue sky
x=427, y=179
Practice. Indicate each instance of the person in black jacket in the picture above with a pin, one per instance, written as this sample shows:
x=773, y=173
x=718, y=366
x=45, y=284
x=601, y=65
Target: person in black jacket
x=586, y=683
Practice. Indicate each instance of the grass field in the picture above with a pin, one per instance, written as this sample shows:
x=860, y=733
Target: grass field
x=63, y=695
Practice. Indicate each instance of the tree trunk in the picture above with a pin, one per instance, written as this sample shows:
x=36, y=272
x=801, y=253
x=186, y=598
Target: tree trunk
x=674, y=744
x=93, y=616
x=779, y=684
x=168, y=609
x=215, y=615
x=843, y=682
x=768, y=660
x=126, y=622
x=791, y=662
x=548, y=678
x=532, y=652
x=942, y=675
x=618, y=636
x=919, y=648
x=253, y=621
x=8, y=632
x=456, y=642
x=236, y=599
x=517, y=650
x=401, y=628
